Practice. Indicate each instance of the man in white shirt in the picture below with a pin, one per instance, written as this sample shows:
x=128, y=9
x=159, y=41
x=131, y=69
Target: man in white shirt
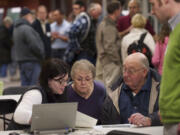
x=59, y=32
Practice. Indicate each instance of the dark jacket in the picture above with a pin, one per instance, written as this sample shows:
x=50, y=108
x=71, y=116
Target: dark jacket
x=27, y=42
x=111, y=112
x=5, y=45
x=45, y=37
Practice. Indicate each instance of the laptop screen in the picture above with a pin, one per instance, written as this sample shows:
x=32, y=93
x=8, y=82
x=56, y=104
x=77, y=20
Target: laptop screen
x=53, y=116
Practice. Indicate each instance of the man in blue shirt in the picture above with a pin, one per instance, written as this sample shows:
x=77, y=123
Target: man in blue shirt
x=60, y=34
x=134, y=98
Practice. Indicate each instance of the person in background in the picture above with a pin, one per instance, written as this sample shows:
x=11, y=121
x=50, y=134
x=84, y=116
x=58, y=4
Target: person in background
x=108, y=65
x=60, y=34
x=134, y=97
x=43, y=28
x=28, y=47
x=5, y=46
x=89, y=94
x=51, y=89
x=78, y=10
x=51, y=17
x=160, y=48
x=78, y=7
x=124, y=22
x=82, y=35
x=70, y=17
x=138, y=22
x=169, y=102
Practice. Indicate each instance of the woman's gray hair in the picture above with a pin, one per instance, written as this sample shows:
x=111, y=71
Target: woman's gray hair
x=83, y=65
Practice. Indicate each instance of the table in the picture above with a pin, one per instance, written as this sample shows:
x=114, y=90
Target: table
x=14, y=97
x=99, y=130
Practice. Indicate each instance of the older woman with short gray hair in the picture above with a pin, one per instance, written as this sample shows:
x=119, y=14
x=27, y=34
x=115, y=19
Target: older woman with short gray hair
x=89, y=94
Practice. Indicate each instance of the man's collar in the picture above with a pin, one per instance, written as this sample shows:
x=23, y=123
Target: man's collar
x=148, y=83
x=42, y=21
x=173, y=21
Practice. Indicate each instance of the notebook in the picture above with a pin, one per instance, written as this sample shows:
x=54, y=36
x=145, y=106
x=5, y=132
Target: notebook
x=56, y=116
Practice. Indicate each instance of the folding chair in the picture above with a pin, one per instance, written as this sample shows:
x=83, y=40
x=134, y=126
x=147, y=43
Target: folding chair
x=7, y=106
x=15, y=90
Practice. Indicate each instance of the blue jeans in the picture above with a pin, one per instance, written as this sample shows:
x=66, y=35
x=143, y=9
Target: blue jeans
x=3, y=70
x=29, y=72
x=12, y=68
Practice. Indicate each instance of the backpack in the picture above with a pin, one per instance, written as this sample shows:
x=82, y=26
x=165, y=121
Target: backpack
x=140, y=46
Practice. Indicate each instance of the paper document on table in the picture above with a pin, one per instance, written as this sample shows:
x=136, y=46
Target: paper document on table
x=83, y=120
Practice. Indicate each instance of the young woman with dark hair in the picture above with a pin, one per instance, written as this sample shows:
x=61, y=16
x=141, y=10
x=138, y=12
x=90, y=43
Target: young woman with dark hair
x=52, y=82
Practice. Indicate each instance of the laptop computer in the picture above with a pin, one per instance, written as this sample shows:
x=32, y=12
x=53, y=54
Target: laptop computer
x=56, y=116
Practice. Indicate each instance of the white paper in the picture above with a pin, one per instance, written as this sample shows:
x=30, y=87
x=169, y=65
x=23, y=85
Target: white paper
x=83, y=120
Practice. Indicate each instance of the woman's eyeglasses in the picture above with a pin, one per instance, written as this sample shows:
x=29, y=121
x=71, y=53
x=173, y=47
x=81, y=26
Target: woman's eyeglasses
x=61, y=81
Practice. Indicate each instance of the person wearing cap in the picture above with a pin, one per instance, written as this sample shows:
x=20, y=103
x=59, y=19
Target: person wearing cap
x=29, y=49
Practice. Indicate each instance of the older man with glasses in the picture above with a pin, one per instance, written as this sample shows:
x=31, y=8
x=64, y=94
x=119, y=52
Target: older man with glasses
x=134, y=98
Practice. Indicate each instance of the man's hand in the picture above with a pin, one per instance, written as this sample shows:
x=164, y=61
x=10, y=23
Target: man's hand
x=54, y=34
x=139, y=120
x=129, y=28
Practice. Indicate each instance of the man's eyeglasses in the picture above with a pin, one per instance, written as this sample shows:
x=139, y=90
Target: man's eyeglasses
x=131, y=71
x=76, y=8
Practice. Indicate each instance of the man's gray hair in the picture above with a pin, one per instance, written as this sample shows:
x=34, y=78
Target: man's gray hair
x=144, y=61
x=8, y=20
x=137, y=2
x=140, y=58
x=93, y=6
